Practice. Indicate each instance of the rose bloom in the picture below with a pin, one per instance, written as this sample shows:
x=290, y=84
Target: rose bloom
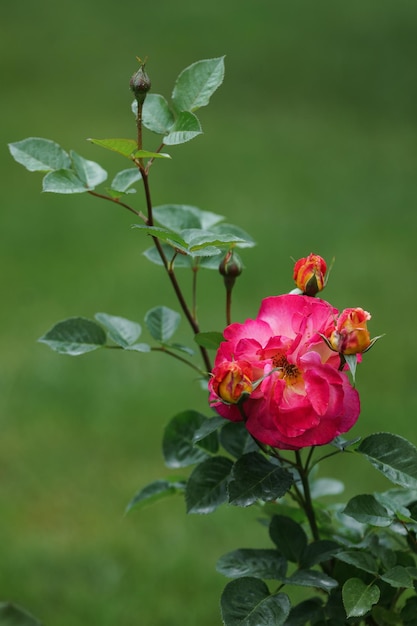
x=309, y=274
x=303, y=399
x=351, y=335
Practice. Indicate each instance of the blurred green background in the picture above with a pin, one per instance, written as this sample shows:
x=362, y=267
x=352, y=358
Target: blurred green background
x=310, y=145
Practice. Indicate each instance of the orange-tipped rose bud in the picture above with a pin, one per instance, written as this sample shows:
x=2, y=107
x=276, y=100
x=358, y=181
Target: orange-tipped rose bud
x=231, y=381
x=351, y=335
x=309, y=274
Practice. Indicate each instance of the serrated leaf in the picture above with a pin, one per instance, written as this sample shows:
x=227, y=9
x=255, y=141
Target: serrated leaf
x=208, y=426
x=91, y=173
x=360, y=559
x=196, y=84
x=236, y=440
x=185, y=128
x=146, y=154
x=318, y=551
x=393, y=456
x=289, y=537
x=39, y=155
x=63, y=181
x=155, y=491
x=359, y=598
x=256, y=478
x=210, y=340
x=156, y=114
x=125, y=147
x=120, y=330
x=312, y=578
x=124, y=179
x=398, y=577
x=178, y=440
x=224, y=229
x=164, y=235
x=181, y=260
x=261, y=563
x=197, y=239
x=74, y=336
x=247, y=602
x=162, y=322
x=367, y=510
x=178, y=217
x=207, y=486
x=13, y=615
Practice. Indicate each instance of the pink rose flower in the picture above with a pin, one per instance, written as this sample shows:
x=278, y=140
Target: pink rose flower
x=299, y=397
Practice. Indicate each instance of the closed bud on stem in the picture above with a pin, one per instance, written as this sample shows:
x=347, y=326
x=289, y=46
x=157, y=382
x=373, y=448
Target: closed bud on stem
x=230, y=268
x=140, y=84
x=309, y=274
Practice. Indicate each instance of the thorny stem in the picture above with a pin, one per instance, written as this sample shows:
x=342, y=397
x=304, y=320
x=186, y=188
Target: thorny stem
x=168, y=266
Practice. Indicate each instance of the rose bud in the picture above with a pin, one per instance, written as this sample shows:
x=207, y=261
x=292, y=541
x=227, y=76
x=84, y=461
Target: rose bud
x=230, y=267
x=309, y=274
x=351, y=335
x=231, y=381
x=140, y=84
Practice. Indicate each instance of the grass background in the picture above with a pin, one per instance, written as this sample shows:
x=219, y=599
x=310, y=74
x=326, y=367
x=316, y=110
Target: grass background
x=310, y=145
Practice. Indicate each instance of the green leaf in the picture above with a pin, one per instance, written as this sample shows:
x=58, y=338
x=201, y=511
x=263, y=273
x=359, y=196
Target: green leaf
x=162, y=322
x=196, y=84
x=289, y=537
x=256, y=478
x=185, y=128
x=74, y=336
x=178, y=440
x=155, y=491
x=360, y=559
x=210, y=340
x=63, y=181
x=181, y=260
x=197, y=239
x=178, y=217
x=392, y=455
x=165, y=235
x=359, y=598
x=125, y=147
x=207, y=486
x=236, y=440
x=312, y=578
x=91, y=173
x=145, y=154
x=261, y=563
x=39, y=155
x=398, y=577
x=228, y=230
x=318, y=551
x=156, y=114
x=367, y=510
x=124, y=179
x=247, y=602
x=120, y=330
x=12, y=615
x=208, y=426
x=307, y=612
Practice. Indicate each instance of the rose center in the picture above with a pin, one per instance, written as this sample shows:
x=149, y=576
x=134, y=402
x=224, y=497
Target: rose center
x=288, y=371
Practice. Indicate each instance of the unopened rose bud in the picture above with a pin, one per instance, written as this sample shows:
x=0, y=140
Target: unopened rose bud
x=140, y=84
x=351, y=335
x=230, y=267
x=231, y=381
x=309, y=274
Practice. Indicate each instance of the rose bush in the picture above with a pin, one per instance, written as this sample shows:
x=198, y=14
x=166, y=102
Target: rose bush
x=300, y=395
